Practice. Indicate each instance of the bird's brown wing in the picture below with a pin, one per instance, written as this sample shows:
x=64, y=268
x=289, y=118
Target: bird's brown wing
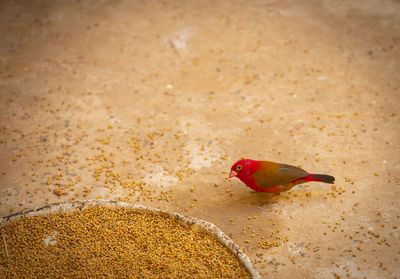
x=273, y=174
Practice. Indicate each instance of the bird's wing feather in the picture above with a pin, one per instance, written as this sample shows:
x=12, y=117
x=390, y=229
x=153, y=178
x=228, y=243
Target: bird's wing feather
x=272, y=174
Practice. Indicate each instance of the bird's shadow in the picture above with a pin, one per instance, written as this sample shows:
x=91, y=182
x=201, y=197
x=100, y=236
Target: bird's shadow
x=255, y=198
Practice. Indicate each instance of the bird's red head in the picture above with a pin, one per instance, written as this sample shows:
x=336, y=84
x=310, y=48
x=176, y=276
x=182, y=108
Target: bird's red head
x=244, y=168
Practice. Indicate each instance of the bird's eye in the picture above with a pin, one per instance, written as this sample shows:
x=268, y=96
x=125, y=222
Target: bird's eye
x=239, y=167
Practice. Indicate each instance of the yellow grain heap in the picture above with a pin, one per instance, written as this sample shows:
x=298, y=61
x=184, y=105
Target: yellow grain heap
x=102, y=242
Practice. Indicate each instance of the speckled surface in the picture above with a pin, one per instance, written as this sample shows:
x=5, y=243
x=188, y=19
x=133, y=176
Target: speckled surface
x=152, y=102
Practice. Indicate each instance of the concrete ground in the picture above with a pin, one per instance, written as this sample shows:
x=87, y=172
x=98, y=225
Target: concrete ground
x=153, y=101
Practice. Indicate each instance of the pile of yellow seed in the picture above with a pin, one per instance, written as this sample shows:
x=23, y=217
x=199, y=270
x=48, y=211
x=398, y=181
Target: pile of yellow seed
x=102, y=242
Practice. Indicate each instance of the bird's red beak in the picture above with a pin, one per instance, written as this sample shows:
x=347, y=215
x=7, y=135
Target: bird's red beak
x=232, y=174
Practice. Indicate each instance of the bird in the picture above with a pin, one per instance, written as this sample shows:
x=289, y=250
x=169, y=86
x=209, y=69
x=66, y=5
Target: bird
x=265, y=176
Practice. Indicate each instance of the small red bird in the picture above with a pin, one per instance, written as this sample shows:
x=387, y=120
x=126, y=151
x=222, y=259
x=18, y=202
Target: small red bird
x=264, y=176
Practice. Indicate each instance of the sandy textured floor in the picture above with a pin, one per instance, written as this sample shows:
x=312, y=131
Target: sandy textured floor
x=153, y=101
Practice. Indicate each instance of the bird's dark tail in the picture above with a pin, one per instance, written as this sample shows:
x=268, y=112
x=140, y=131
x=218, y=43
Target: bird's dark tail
x=321, y=178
